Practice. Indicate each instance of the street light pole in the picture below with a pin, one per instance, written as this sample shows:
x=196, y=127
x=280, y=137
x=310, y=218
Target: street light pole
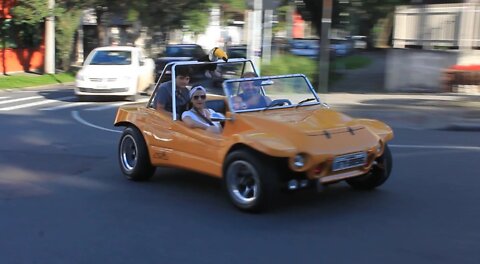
x=324, y=61
x=50, y=39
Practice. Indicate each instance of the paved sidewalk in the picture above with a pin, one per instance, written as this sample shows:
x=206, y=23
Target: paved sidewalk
x=361, y=93
x=419, y=111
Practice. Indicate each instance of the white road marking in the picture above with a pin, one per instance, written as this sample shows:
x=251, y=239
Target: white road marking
x=3, y=97
x=65, y=106
x=103, y=107
x=49, y=101
x=437, y=147
x=20, y=99
x=77, y=117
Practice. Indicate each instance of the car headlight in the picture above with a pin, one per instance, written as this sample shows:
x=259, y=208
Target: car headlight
x=299, y=161
x=80, y=77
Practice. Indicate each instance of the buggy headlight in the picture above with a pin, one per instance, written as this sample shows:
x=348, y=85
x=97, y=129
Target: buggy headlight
x=299, y=161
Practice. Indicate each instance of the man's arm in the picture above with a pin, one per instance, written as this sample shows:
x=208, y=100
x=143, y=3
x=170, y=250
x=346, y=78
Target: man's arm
x=163, y=97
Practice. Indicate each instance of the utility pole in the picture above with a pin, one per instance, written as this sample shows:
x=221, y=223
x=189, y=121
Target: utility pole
x=324, y=61
x=50, y=39
x=255, y=24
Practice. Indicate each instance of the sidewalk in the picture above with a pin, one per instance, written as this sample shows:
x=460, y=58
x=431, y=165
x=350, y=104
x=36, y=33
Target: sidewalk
x=448, y=111
x=361, y=93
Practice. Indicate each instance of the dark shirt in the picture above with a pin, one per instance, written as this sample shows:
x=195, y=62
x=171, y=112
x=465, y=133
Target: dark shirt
x=262, y=101
x=164, y=97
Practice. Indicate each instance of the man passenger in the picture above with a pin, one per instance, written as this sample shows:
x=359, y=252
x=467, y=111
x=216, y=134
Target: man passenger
x=163, y=98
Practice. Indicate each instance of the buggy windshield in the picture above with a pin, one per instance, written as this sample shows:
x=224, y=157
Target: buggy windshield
x=271, y=92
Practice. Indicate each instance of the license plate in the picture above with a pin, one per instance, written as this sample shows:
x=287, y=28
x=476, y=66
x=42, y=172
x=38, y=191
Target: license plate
x=349, y=161
x=102, y=86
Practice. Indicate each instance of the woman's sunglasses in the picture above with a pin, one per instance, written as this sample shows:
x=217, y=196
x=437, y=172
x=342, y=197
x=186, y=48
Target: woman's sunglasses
x=196, y=97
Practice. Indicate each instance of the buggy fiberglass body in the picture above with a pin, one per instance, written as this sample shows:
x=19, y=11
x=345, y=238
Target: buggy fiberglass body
x=294, y=142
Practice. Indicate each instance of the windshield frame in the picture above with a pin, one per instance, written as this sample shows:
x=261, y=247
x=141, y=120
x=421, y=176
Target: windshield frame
x=226, y=84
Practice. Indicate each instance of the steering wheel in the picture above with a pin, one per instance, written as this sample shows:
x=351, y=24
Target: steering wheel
x=279, y=102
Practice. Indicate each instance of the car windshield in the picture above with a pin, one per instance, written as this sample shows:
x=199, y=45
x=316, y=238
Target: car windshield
x=271, y=92
x=112, y=57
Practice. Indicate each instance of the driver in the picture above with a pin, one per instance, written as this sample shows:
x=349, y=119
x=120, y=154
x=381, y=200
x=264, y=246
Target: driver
x=251, y=93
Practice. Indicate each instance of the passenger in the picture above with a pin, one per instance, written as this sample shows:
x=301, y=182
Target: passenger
x=199, y=116
x=237, y=103
x=251, y=93
x=163, y=98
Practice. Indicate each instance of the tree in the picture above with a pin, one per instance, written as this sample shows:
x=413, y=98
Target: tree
x=29, y=17
x=364, y=14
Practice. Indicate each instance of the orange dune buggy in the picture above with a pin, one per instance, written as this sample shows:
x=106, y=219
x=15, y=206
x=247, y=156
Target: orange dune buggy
x=292, y=142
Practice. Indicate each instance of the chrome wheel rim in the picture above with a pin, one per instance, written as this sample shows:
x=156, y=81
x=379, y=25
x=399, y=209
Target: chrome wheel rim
x=128, y=153
x=243, y=182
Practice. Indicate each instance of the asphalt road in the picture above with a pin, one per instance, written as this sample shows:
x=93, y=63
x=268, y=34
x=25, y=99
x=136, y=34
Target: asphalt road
x=63, y=200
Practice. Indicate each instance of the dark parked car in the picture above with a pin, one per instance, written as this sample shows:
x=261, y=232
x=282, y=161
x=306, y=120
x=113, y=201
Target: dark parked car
x=237, y=51
x=178, y=52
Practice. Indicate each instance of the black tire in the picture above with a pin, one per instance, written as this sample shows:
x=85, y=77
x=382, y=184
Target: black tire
x=133, y=156
x=377, y=175
x=251, y=184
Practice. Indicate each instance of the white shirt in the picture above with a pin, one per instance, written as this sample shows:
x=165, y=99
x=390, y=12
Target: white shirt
x=194, y=116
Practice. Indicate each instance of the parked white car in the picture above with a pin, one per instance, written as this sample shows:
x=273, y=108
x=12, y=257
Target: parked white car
x=115, y=71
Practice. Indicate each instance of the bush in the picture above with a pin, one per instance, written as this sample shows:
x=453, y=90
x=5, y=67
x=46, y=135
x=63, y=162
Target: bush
x=290, y=64
x=352, y=62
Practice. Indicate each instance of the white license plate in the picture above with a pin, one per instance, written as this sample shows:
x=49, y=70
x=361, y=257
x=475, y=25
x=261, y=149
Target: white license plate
x=349, y=161
x=102, y=86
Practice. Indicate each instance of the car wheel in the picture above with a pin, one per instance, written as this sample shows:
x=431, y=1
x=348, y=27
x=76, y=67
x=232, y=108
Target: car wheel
x=250, y=183
x=133, y=156
x=377, y=175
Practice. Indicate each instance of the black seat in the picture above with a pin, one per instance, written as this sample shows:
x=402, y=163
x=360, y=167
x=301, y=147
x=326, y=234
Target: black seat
x=218, y=105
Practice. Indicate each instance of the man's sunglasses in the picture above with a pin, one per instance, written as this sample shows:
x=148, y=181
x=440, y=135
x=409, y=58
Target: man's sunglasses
x=196, y=97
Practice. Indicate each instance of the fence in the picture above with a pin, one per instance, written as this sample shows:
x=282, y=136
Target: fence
x=440, y=26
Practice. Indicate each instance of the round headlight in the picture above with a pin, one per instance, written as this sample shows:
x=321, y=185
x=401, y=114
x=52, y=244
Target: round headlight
x=299, y=161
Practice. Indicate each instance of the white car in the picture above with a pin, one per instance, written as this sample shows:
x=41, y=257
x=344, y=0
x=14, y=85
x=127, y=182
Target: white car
x=115, y=71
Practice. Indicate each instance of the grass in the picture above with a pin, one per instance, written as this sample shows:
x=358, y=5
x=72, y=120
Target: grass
x=29, y=80
x=286, y=64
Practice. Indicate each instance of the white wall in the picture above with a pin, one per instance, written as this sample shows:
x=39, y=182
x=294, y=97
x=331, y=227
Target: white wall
x=409, y=70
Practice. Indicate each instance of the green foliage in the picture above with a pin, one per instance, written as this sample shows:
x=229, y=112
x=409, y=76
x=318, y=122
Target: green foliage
x=289, y=64
x=351, y=62
x=65, y=29
x=30, y=12
x=196, y=20
x=363, y=14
